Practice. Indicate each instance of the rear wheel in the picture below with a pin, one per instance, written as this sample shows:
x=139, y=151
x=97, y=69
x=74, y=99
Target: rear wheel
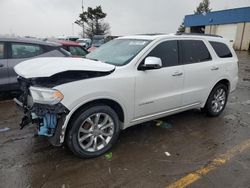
x=216, y=101
x=93, y=131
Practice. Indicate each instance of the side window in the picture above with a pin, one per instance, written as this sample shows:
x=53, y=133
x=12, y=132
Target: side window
x=168, y=52
x=194, y=51
x=221, y=49
x=1, y=50
x=20, y=50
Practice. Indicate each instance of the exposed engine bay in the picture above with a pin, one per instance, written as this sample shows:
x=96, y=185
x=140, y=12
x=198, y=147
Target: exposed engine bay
x=48, y=118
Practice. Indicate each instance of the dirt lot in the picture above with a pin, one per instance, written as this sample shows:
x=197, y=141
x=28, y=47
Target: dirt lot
x=207, y=152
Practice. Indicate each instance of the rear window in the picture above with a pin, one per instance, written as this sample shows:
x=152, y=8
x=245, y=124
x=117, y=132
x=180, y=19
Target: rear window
x=194, y=51
x=221, y=49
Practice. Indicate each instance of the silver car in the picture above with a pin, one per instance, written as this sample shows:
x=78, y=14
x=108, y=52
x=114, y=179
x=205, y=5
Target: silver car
x=16, y=50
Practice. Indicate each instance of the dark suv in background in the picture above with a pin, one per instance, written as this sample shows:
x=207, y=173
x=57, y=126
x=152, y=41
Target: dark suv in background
x=16, y=50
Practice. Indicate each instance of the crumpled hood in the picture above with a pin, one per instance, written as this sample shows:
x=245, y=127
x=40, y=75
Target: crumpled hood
x=46, y=67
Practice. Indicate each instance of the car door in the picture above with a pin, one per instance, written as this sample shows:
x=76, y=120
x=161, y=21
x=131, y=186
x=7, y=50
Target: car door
x=4, y=79
x=160, y=90
x=20, y=52
x=198, y=70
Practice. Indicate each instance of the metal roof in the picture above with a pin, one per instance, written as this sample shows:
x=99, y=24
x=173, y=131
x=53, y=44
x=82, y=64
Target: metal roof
x=28, y=40
x=237, y=15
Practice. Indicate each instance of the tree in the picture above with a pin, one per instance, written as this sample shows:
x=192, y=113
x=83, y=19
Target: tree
x=181, y=28
x=92, y=22
x=203, y=7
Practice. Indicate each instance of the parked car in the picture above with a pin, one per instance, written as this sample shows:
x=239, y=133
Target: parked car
x=74, y=48
x=15, y=50
x=85, y=42
x=97, y=41
x=85, y=103
x=68, y=38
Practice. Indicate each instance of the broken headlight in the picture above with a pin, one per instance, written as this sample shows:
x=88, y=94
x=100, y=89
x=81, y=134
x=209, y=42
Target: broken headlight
x=45, y=95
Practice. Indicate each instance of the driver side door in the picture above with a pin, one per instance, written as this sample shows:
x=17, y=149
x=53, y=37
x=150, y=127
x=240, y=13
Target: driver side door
x=159, y=90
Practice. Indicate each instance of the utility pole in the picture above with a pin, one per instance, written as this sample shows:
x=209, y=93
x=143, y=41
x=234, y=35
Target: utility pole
x=83, y=22
x=73, y=30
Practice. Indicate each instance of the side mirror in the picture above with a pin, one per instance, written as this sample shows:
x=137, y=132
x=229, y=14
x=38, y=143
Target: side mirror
x=151, y=63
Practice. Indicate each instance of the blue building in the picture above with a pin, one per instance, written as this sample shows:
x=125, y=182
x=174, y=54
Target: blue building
x=233, y=24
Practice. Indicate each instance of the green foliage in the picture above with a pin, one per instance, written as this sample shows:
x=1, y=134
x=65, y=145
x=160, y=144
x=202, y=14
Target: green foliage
x=203, y=7
x=181, y=28
x=92, y=22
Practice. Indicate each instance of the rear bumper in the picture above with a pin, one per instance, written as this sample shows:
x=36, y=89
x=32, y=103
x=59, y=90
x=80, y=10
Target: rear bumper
x=234, y=84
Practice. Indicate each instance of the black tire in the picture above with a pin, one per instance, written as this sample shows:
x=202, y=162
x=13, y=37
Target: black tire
x=208, y=109
x=72, y=137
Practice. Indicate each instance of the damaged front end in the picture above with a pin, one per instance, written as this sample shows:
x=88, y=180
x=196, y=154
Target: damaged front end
x=42, y=107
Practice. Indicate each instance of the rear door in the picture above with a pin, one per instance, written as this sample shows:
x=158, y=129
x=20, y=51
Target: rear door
x=20, y=52
x=198, y=70
x=160, y=90
x=4, y=79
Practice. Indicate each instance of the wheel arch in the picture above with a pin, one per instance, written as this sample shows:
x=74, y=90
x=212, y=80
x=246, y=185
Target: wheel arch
x=109, y=102
x=224, y=81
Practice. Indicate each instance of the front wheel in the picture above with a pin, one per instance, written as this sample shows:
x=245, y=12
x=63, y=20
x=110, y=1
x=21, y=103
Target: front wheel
x=216, y=101
x=93, y=131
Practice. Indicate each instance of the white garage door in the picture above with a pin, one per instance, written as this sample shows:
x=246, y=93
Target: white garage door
x=228, y=31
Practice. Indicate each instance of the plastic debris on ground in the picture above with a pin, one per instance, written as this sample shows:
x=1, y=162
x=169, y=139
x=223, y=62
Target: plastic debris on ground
x=108, y=156
x=167, y=154
x=109, y=170
x=4, y=129
x=163, y=124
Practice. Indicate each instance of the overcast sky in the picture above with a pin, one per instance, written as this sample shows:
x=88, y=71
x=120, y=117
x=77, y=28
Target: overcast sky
x=45, y=18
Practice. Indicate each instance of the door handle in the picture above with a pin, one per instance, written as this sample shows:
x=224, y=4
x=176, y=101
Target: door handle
x=1, y=65
x=177, y=74
x=214, y=68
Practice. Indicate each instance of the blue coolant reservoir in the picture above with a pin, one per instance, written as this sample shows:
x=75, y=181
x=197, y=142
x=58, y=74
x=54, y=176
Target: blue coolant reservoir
x=48, y=125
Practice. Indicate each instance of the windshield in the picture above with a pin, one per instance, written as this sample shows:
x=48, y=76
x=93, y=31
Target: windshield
x=118, y=52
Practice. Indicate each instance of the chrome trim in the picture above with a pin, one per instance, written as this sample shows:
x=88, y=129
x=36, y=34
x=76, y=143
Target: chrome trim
x=166, y=112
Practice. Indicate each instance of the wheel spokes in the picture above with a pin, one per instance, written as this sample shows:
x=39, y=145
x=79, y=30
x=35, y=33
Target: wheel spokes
x=96, y=132
x=81, y=139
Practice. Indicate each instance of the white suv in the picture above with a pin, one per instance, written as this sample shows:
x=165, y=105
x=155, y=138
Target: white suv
x=85, y=103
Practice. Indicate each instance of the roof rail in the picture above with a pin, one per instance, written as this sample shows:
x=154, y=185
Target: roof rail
x=151, y=34
x=199, y=34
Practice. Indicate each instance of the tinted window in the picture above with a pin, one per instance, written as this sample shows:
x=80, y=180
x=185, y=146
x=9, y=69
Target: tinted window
x=168, y=52
x=221, y=49
x=1, y=50
x=25, y=50
x=194, y=51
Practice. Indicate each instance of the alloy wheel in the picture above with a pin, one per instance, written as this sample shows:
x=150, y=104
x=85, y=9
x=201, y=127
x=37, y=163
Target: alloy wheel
x=96, y=132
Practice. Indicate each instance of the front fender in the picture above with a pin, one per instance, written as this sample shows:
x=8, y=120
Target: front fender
x=80, y=104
